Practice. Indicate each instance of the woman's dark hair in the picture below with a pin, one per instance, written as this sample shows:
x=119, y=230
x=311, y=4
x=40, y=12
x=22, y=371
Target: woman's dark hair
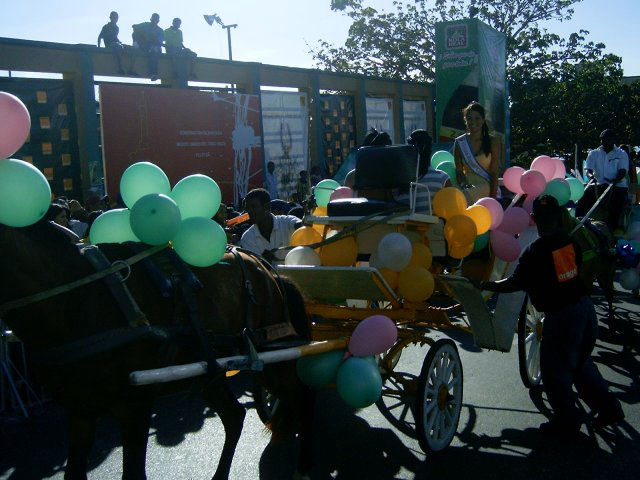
x=376, y=139
x=486, y=139
x=55, y=209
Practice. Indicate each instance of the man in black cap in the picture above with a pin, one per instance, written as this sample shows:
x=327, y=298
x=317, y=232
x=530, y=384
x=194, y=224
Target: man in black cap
x=548, y=272
x=607, y=165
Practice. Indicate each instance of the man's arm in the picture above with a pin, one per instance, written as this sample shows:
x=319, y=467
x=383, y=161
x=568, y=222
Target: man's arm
x=101, y=36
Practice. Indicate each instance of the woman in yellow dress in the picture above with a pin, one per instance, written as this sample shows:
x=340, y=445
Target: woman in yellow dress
x=477, y=155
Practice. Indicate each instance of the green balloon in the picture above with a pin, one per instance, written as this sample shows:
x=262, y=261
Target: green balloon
x=25, y=194
x=200, y=241
x=481, y=242
x=320, y=370
x=558, y=188
x=441, y=156
x=636, y=245
x=197, y=196
x=140, y=179
x=576, y=187
x=155, y=219
x=113, y=226
x=358, y=382
x=450, y=169
x=323, y=191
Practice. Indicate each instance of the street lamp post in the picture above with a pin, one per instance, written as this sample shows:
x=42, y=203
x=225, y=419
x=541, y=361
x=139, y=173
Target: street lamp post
x=216, y=18
x=228, y=28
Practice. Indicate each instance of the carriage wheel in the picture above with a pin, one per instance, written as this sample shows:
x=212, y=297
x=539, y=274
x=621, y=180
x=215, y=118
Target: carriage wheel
x=439, y=396
x=530, y=326
x=266, y=403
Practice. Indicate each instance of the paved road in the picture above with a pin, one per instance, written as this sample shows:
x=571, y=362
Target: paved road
x=497, y=436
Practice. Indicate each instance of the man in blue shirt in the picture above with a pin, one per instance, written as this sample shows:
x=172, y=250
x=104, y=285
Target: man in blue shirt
x=149, y=37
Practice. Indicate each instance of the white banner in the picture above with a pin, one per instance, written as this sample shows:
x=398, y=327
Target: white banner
x=415, y=116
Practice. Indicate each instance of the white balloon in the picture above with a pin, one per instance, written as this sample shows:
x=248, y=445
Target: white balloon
x=374, y=261
x=394, y=251
x=630, y=279
x=302, y=256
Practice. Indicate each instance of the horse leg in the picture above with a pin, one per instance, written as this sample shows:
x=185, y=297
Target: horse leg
x=220, y=398
x=134, y=425
x=82, y=430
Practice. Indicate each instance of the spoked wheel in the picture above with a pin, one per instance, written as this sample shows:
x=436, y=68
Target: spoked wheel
x=530, y=326
x=439, y=396
x=266, y=403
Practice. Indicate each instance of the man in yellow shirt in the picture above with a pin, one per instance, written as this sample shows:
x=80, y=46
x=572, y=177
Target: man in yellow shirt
x=174, y=46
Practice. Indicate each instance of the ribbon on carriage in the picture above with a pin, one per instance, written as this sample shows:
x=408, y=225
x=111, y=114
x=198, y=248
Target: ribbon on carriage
x=470, y=159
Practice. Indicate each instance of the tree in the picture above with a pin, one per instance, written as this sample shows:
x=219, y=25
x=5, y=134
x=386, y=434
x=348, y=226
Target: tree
x=401, y=43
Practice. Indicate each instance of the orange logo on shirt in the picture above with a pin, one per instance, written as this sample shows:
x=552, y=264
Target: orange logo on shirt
x=564, y=260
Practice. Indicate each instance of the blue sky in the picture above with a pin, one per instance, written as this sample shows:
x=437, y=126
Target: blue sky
x=272, y=31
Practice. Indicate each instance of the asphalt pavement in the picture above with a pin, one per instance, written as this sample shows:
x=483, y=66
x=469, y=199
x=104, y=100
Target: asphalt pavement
x=497, y=436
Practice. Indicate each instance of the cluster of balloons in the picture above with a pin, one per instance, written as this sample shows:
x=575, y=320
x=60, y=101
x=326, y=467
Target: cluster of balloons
x=445, y=162
x=628, y=252
x=158, y=214
x=25, y=193
x=354, y=372
x=341, y=253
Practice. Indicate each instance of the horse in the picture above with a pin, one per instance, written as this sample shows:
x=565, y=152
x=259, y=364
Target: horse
x=59, y=329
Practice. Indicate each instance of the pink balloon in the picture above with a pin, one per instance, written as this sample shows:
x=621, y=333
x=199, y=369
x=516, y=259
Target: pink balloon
x=511, y=179
x=15, y=124
x=533, y=182
x=374, y=335
x=504, y=246
x=516, y=220
x=495, y=209
x=560, y=169
x=341, y=192
x=545, y=165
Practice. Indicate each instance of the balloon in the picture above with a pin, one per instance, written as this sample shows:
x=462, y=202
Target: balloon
x=627, y=255
x=359, y=382
x=140, y=179
x=413, y=236
x=494, y=207
x=305, y=236
x=320, y=212
x=545, y=165
x=320, y=370
x=633, y=231
x=373, y=335
x=516, y=220
x=460, y=252
x=342, y=253
x=374, y=261
x=450, y=169
x=576, y=187
x=394, y=251
x=420, y=255
x=155, y=219
x=389, y=276
x=441, y=156
x=448, y=202
x=481, y=216
x=197, y=196
x=323, y=191
x=369, y=239
x=533, y=182
x=113, y=226
x=16, y=123
x=636, y=245
x=415, y=284
x=561, y=170
x=481, y=242
x=302, y=256
x=630, y=279
x=558, y=188
x=460, y=230
x=341, y=192
x=25, y=194
x=504, y=245
x=511, y=179
x=200, y=241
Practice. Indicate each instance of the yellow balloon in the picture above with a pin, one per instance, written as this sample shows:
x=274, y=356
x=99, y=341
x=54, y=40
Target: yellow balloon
x=460, y=231
x=390, y=276
x=320, y=212
x=305, y=236
x=415, y=284
x=449, y=202
x=342, y=253
x=421, y=255
x=481, y=216
x=460, y=252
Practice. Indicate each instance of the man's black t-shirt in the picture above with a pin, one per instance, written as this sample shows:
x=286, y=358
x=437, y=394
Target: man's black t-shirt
x=109, y=34
x=548, y=272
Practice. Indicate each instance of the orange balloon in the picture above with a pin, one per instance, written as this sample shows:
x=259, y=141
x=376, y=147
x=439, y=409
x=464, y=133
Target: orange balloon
x=460, y=252
x=390, y=276
x=342, y=253
x=449, y=202
x=481, y=216
x=421, y=255
x=415, y=284
x=460, y=231
x=305, y=236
